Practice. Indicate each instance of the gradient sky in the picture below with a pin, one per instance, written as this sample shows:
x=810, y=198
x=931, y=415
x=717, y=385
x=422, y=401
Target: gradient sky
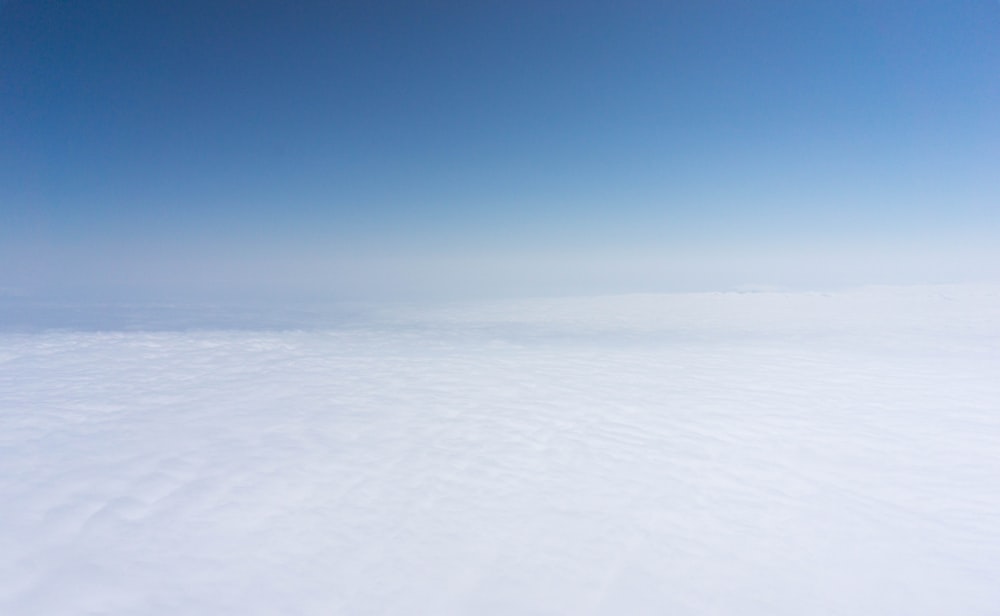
x=355, y=149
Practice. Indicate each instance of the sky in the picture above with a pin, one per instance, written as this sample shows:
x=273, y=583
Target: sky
x=408, y=149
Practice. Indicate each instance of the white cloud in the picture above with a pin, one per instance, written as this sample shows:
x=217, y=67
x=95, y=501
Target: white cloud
x=751, y=453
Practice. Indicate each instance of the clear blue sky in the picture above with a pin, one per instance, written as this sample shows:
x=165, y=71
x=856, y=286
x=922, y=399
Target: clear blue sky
x=347, y=149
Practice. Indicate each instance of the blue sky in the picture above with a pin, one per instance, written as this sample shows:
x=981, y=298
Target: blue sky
x=355, y=149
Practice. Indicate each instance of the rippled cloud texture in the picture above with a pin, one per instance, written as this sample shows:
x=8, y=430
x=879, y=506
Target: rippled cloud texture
x=738, y=453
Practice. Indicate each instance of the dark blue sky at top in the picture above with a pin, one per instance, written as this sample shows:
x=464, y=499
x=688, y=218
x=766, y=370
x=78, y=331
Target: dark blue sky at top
x=264, y=142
